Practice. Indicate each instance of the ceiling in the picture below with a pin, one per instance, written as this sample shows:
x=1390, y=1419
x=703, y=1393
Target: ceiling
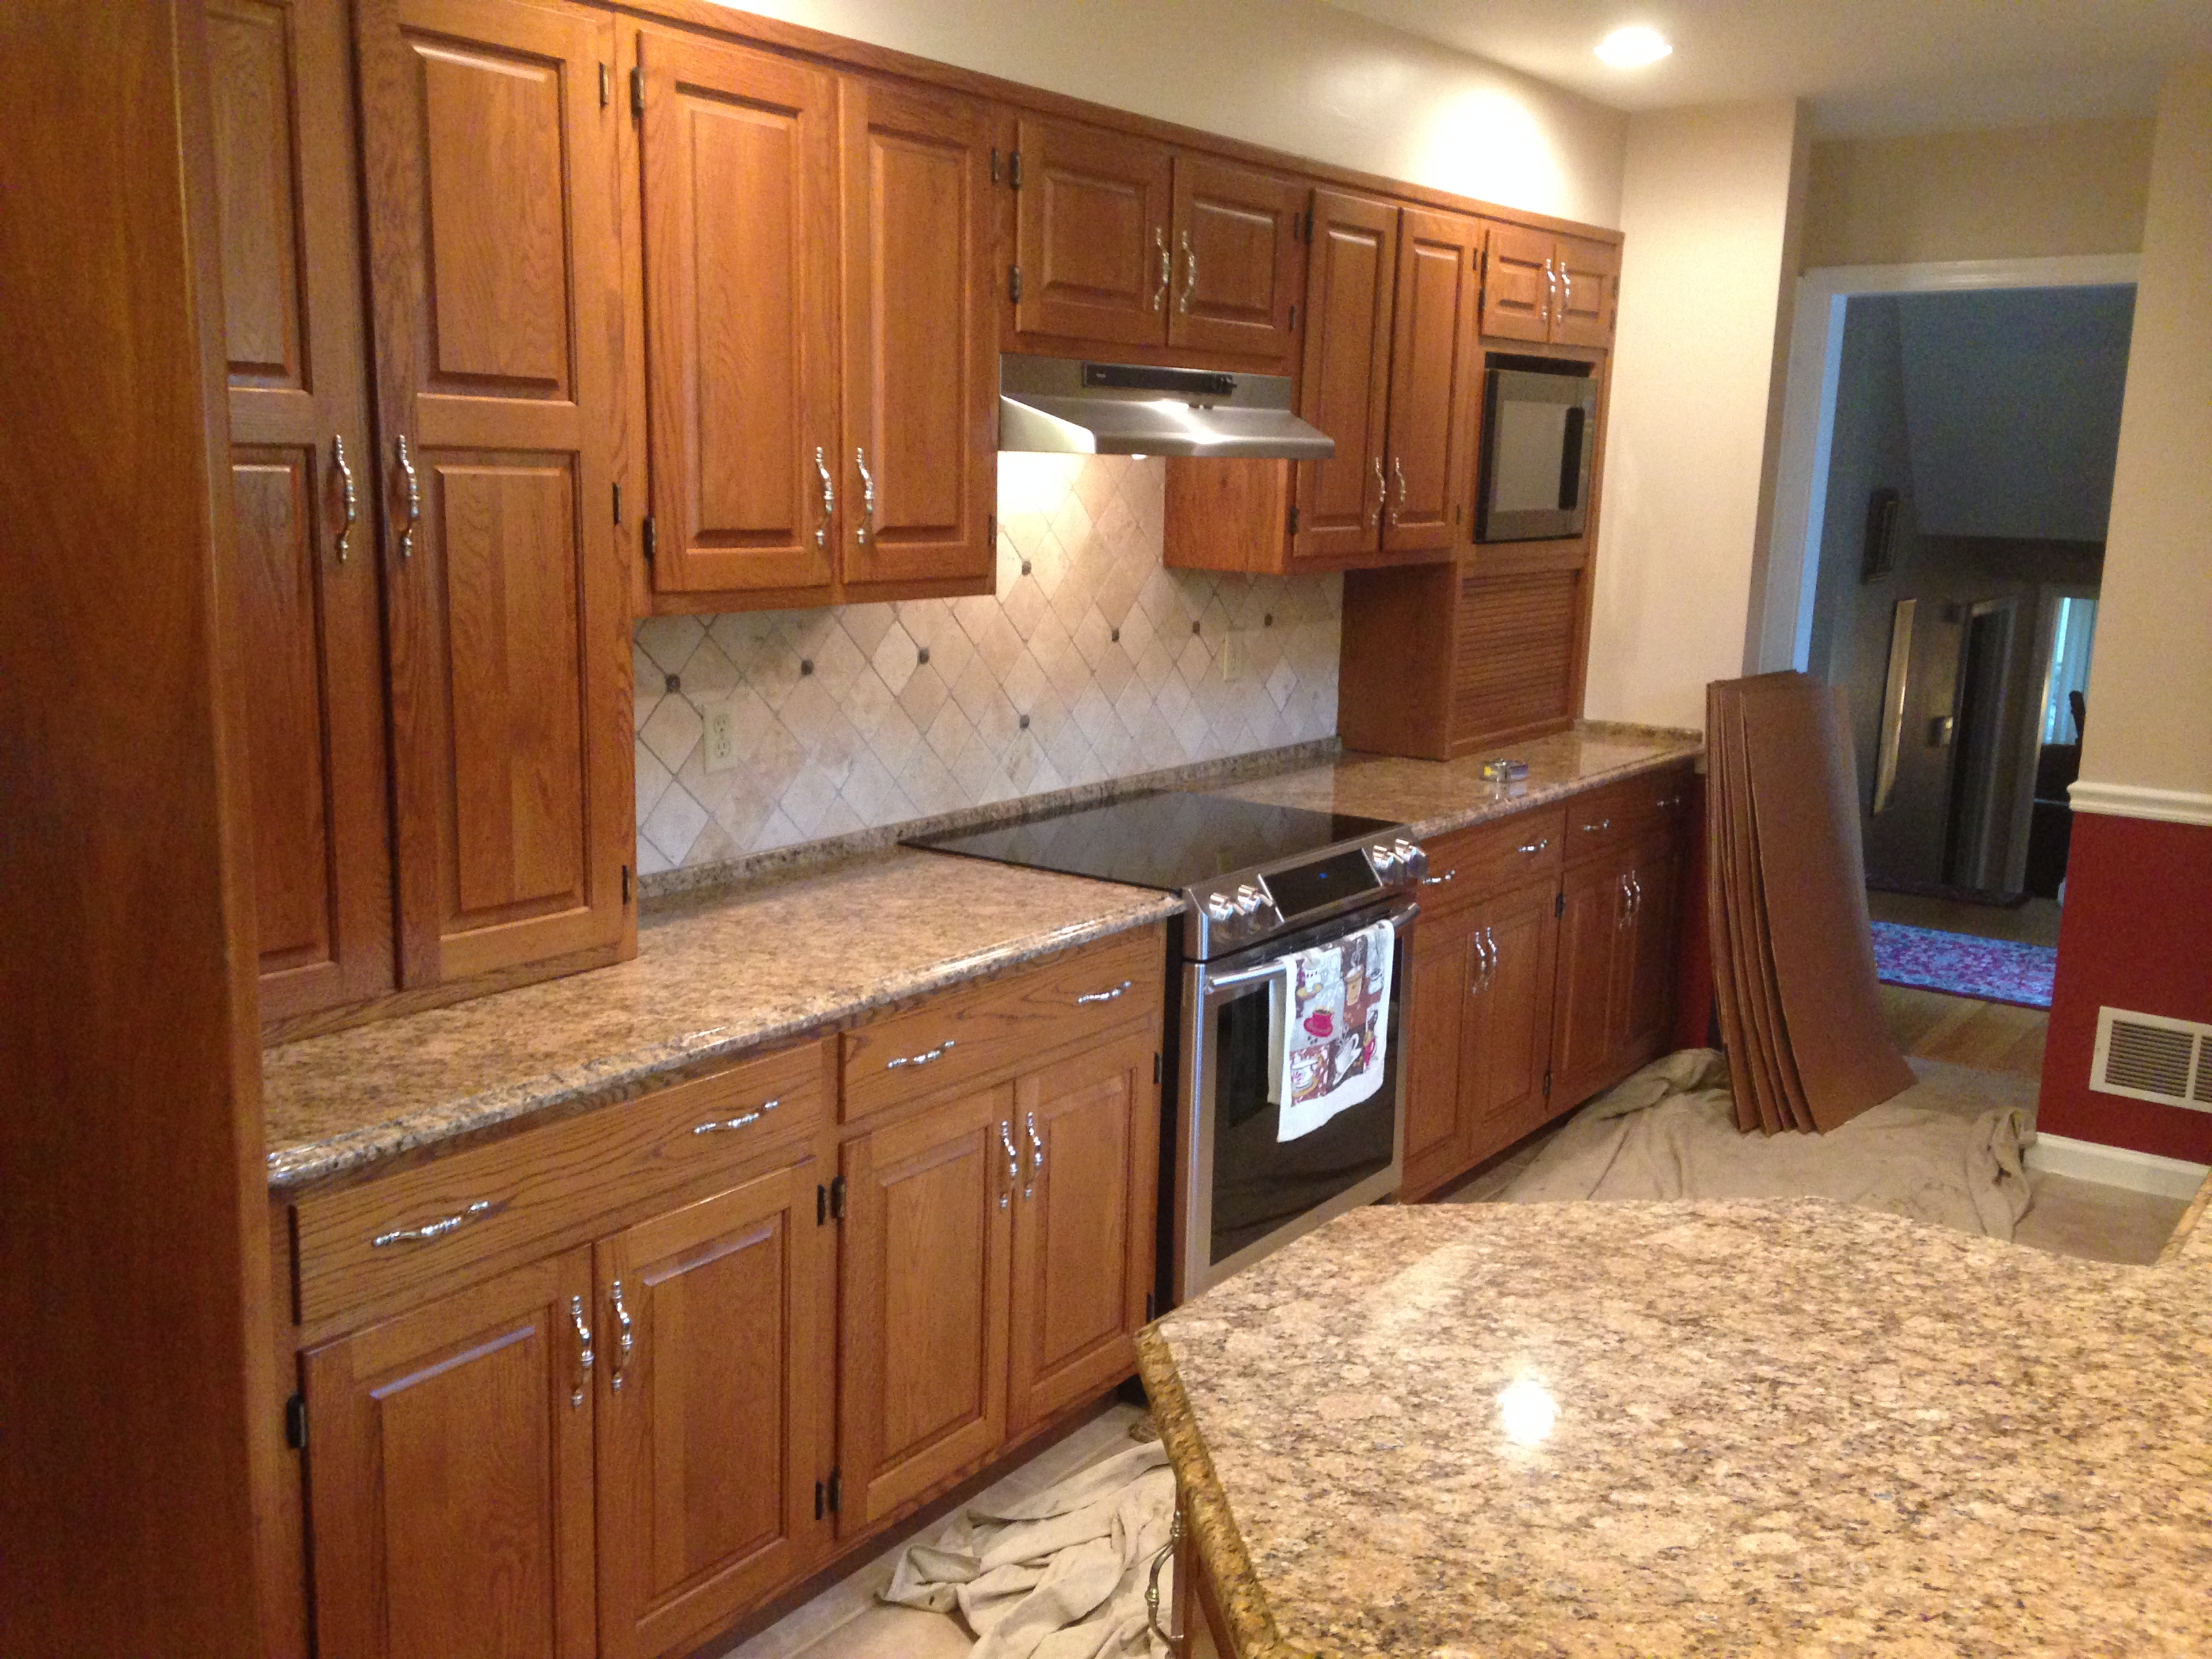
x=1866, y=66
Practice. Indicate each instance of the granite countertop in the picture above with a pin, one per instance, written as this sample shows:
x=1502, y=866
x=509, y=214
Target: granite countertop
x=1436, y=797
x=1781, y=1427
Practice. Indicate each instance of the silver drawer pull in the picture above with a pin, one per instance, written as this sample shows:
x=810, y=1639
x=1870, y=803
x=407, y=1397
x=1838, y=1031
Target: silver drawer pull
x=434, y=1230
x=938, y=1052
x=624, y=1342
x=583, y=1352
x=1103, y=996
x=1593, y=828
x=1037, y=1159
x=1536, y=846
x=1438, y=881
x=714, y=1125
x=1013, y=1163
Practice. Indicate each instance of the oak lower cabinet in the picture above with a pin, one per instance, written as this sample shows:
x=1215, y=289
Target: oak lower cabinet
x=1616, y=1006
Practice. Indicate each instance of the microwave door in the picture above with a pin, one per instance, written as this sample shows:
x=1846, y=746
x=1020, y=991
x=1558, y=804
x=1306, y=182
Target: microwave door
x=1537, y=438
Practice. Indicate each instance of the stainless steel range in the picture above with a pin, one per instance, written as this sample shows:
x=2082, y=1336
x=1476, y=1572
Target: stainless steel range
x=1261, y=884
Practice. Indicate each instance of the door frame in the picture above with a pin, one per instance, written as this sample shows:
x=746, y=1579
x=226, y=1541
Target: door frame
x=1785, y=568
x=1975, y=856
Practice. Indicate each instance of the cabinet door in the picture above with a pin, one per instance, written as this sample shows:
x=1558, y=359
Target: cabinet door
x=1434, y=363
x=928, y=1220
x=919, y=461
x=713, y=1426
x=1516, y=300
x=497, y=296
x=1647, y=1015
x=738, y=159
x=1510, y=1049
x=1587, y=271
x=450, y=1476
x=1088, y=1139
x=1447, y=969
x=1350, y=270
x=281, y=94
x=1091, y=236
x=1585, y=1022
x=1236, y=260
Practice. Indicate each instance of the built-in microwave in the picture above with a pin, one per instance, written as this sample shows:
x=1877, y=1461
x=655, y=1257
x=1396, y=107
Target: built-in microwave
x=1539, y=427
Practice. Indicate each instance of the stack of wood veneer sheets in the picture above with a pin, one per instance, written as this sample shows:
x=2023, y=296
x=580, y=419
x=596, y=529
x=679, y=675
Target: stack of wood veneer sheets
x=1793, y=954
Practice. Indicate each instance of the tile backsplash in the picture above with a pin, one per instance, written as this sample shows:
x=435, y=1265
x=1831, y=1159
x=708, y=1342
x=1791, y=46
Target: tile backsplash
x=1092, y=662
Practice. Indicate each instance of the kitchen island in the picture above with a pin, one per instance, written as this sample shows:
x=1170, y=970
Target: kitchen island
x=1779, y=1427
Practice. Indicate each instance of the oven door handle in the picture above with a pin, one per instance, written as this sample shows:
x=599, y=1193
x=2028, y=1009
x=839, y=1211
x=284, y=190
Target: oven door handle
x=1398, y=918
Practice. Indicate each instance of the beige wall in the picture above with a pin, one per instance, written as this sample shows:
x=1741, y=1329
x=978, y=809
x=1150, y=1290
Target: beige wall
x=1297, y=74
x=1707, y=203
x=2014, y=192
x=2151, y=679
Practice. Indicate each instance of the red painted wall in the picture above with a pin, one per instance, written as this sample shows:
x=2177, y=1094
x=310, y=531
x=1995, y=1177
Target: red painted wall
x=2137, y=934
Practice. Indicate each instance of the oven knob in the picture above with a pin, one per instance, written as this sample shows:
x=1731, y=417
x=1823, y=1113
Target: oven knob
x=1220, y=908
x=1384, y=859
x=1414, y=860
x=1249, y=899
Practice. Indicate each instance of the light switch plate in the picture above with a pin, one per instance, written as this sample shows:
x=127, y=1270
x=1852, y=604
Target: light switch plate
x=721, y=739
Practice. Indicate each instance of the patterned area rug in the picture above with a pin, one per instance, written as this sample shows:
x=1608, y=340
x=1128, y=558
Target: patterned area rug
x=1993, y=969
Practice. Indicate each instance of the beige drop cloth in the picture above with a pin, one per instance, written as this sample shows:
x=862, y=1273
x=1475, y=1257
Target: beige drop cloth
x=1058, y=1575
x=1947, y=1150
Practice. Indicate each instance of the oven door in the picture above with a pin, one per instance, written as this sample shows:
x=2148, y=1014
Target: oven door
x=1244, y=1192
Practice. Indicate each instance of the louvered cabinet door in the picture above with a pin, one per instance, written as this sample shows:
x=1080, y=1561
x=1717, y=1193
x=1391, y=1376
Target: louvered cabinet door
x=1435, y=362
x=1513, y=657
x=711, y=1448
x=738, y=150
x=919, y=459
x=302, y=482
x=496, y=290
x=1350, y=273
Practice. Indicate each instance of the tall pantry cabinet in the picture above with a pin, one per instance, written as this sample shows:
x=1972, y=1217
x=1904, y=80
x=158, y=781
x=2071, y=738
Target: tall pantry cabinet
x=434, y=610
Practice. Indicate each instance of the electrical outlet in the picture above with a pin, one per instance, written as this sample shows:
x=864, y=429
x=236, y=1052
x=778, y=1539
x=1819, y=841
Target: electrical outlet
x=721, y=738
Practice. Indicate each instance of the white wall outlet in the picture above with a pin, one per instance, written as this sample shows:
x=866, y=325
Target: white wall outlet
x=721, y=739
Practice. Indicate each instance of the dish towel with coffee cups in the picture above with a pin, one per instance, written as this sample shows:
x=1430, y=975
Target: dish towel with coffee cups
x=1333, y=1010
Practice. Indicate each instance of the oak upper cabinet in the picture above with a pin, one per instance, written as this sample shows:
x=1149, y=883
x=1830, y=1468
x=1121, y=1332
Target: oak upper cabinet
x=1092, y=219
x=451, y=1501
x=1236, y=260
x=495, y=290
x=1087, y=1143
x=919, y=464
x=738, y=153
x=1434, y=366
x=1553, y=288
x=302, y=482
x=713, y=1434
x=1351, y=291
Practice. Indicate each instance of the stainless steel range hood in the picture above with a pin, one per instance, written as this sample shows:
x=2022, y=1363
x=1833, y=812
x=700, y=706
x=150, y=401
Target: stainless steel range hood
x=1063, y=406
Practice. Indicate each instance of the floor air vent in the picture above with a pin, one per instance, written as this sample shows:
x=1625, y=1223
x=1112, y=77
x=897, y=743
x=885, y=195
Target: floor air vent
x=2148, y=1057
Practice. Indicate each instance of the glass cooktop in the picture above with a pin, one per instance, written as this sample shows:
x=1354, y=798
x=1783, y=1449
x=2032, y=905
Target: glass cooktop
x=1172, y=841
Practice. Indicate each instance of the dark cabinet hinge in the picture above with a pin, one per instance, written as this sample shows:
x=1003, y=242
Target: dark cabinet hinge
x=296, y=1422
x=837, y=1201
x=637, y=90
x=1547, y=1085
x=1294, y=317
x=821, y=1217
x=1156, y=1068
x=652, y=533
x=836, y=1490
x=1150, y=1297
x=618, y=501
x=1014, y=169
x=991, y=530
x=606, y=87
x=1558, y=904
x=1294, y=518
x=821, y=1500
x=626, y=884
x=1014, y=283
x=1309, y=225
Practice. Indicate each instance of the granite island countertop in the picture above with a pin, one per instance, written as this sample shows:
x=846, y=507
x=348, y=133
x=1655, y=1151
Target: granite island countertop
x=1745, y=1428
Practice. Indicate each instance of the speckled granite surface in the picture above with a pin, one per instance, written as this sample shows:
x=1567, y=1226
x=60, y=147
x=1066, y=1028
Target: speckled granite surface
x=711, y=978
x=1436, y=797
x=1785, y=1427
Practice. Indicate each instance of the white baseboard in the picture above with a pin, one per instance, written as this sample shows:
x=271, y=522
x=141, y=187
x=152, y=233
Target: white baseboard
x=2116, y=1166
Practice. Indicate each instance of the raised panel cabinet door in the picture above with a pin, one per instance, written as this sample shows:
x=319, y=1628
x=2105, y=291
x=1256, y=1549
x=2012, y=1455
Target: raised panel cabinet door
x=739, y=153
x=1585, y=1024
x=919, y=458
x=1648, y=1009
x=1236, y=260
x=1518, y=284
x=281, y=95
x=1435, y=361
x=1092, y=223
x=714, y=1410
x=1446, y=972
x=1587, y=281
x=496, y=289
x=1087, y=1141
x=1509, y=1050
x=1351, y=272
x=449, y=1475
x=923, y=1300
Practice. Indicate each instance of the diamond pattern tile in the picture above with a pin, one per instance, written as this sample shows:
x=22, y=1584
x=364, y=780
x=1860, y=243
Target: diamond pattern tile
x=840, y=726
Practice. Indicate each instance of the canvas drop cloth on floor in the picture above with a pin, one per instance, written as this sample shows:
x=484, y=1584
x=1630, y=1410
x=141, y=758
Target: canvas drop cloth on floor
x=1947, y=1150
x=1060, y=1574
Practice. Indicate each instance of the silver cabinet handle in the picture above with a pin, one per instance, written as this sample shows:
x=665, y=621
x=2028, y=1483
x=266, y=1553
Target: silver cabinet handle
x=1535, y=847
x=867, y=498
x=923, y=1059
x=625, y=1341
x=434, y=1229
x=1635, y=892
x=1627, y=905
x=714, y=1125
x=1551, y=284
x=1567, y=287
x=1398, y=469
x=1381, y=494
x=1167, y=267
x=1189, y=276
x=1594, y=829
x=1013, y=1163
x=829, y=499
x=345, y=492
x=1104, y=996
x=583, y=1351
x=413, y=499
x=1438, y=881
x=1490, y=950
x=1037, y=1159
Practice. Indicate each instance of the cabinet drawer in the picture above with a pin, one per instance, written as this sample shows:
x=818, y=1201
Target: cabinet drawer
x=417, y=1231
x=967, y=1034
x=1485, y=858
x=1607, y=818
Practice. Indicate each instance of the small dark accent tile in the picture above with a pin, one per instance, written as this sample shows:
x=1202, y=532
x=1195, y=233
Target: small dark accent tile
x=1025, y=722
x=1117, y=636
x=1268, y=620
x=1025, y=566
x=673, y=685
x=1194, y=627
x=922, y=655
x=806, y=664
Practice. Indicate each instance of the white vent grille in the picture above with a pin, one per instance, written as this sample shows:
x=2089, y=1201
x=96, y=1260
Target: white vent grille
x=2149, y=1057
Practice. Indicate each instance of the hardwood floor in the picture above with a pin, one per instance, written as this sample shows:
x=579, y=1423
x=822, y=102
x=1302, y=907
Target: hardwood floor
x=2035, y=922
x=1995, y=1036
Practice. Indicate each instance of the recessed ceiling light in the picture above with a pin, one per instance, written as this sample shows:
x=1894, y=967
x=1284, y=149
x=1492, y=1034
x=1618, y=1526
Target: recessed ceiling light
x=1634, y=47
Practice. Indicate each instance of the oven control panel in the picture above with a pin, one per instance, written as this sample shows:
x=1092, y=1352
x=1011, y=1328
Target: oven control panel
x=1244, y=908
